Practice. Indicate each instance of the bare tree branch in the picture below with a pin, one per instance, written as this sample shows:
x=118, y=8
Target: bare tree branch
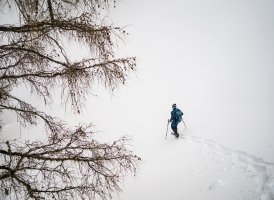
x=50, y=11
x=78, y=161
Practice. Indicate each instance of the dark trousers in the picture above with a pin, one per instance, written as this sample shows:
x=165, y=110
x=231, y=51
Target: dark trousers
x=175, y=130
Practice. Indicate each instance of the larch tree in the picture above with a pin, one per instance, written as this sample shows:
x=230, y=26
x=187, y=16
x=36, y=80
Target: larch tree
x=71, y=164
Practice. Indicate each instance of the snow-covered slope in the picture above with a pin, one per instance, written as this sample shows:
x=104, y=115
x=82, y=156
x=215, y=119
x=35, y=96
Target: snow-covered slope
x=193, y=167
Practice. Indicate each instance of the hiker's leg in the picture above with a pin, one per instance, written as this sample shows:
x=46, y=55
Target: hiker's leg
x=175, y=130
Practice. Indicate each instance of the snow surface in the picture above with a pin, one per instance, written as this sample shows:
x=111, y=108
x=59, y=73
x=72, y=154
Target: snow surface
x=215, y=60
x=194, y=167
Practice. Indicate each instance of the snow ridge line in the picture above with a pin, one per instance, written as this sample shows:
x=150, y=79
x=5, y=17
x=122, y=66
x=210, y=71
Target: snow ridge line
x=213, y=144
x=263, y=171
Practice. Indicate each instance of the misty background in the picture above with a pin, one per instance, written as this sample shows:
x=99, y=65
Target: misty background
x=215, y=60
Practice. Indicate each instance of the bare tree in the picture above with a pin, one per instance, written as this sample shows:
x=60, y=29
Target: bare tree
x=33, y=51
x=69, y=166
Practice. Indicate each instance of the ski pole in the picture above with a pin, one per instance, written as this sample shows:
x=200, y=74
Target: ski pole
x=184, y=122
x=167, y=127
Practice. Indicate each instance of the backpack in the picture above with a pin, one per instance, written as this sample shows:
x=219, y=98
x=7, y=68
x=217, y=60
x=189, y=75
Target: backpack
x=179, y=115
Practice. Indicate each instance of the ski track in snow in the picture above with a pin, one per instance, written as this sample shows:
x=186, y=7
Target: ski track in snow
x=262, y=171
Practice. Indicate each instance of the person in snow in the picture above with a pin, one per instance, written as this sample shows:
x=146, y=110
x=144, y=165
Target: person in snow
x=176, y=117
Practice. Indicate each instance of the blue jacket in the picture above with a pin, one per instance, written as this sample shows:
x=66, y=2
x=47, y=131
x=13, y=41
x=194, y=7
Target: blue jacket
x=173, y=119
